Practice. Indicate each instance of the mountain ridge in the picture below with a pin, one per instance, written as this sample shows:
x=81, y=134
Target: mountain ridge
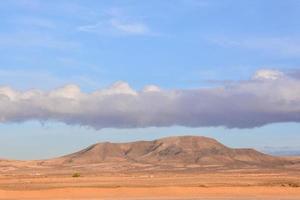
x=184, y=150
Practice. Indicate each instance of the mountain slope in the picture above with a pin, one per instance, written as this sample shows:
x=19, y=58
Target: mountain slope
x=184, y=150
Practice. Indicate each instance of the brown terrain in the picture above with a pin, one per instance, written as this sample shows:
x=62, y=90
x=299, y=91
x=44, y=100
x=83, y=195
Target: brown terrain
x=186, y=167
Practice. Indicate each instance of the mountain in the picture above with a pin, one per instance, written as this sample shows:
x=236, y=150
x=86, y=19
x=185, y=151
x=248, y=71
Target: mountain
x=182, y=150
x=281, y=151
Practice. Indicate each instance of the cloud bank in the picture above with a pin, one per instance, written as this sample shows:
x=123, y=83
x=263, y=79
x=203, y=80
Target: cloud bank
x=269, y=97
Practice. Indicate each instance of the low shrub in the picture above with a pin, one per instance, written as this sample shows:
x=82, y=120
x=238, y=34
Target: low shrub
x=76, y=175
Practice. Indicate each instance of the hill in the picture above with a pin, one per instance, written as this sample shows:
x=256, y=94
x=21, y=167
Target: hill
x=182, y=150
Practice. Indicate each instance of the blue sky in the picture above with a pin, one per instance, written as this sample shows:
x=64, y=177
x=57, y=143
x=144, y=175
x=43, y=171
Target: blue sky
x=176, y=45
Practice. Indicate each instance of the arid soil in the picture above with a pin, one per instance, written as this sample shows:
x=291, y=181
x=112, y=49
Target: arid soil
x=227, y=185
x=192, y=193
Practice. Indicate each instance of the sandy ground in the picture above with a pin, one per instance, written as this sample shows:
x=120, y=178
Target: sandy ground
x=238, y=193
x=237, y=185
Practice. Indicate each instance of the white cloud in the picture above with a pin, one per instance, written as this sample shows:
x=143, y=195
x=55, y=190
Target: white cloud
x=119, y=87
x=117, y=27
x=266, y=74
x=117, y=23
x=151, y=88
x=131, y=28
x=245, y=104
x=295, y=73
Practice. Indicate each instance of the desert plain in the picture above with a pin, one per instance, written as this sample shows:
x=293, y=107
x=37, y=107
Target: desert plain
x=169, y=168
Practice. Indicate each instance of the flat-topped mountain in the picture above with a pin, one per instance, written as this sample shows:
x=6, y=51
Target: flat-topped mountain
x=184, y=150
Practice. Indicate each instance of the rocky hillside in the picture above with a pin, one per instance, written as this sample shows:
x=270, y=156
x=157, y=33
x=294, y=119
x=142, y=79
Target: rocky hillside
x=186, y=150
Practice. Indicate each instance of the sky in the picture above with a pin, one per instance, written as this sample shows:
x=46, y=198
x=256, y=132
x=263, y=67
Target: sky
x=74, y=73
